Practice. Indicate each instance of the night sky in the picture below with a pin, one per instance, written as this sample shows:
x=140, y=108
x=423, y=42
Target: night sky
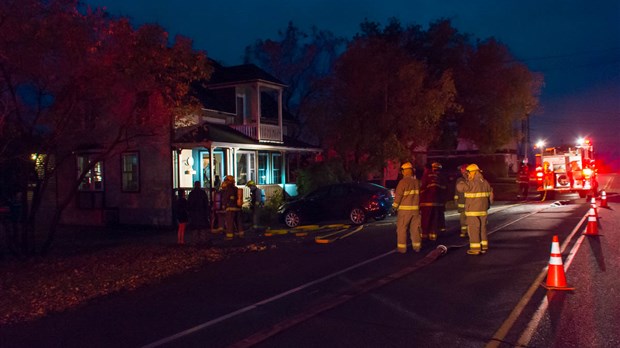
x=575, y=44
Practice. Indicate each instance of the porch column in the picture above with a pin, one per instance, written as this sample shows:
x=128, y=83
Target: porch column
x=258, y=111
x=231, y=167
x=280, y=113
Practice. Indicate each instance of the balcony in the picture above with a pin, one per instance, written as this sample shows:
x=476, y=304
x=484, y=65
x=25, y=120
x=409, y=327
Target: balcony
x=268, y=133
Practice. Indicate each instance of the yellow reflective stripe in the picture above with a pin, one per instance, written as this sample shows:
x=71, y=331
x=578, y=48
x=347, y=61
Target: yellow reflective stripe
x=408, y=207
x=394, y=205
x=474, y=245
x=485, y=243
x=416, y=245
x=476, y=213
x=477, y=194
x=401, y=246
x=411, y=192
x=456, y=197
x=461, y=205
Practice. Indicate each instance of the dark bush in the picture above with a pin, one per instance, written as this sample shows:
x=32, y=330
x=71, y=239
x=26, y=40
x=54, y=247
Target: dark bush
x=321, y=174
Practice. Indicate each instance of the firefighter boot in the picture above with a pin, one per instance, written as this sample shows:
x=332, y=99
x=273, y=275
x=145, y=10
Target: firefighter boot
x=484, y=246
x=463, y=232
x=474, y=249
x=416, y=247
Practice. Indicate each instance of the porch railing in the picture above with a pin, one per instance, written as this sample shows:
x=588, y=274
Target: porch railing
x=268, y=132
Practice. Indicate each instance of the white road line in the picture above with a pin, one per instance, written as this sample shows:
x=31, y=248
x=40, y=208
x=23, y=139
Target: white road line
x=212, y=322
x=501, y=333
x=260, y=303
x=526, y=335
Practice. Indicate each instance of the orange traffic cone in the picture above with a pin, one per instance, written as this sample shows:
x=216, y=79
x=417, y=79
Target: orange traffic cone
x=603, y=199
x=556, y=279
x=592, y=227
x=593, y=206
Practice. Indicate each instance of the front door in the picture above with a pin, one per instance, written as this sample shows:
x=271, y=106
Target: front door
x=218, y=168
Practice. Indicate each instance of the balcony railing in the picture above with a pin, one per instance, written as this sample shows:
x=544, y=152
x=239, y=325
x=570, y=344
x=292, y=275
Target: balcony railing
x=268, y=132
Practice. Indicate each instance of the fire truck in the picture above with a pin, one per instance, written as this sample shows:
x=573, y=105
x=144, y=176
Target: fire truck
x=567, y=169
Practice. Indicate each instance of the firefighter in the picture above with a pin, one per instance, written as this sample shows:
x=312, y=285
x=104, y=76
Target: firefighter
x=459, y=200
x=406, y=206
x=478, y=198
x=523, y=179
x=254, y=192
x=230, y=199
x=432, y=202
x=547, y=175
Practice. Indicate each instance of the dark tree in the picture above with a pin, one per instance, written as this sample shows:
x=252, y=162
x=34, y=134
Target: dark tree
x=85, y=74
x=299, y=59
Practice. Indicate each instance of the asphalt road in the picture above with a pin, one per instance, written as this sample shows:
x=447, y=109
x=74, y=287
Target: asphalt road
x=357, y=292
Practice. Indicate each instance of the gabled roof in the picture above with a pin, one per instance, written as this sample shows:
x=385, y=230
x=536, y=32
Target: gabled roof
x=240, y=74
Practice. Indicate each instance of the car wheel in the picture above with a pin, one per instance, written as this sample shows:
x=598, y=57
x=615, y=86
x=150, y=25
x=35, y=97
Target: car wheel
x=357, y=216
x=291, y=219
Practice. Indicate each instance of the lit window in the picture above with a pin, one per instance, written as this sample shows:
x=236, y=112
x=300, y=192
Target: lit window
x=130, y=167
x=93, y=180
x=245, y=167
x=262, y=168
x=276, y=168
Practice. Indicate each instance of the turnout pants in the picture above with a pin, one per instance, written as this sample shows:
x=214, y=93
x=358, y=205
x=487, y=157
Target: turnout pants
x=433, y=220
x=233, y=222
x=463, y=221
x=477, y=229
x=408, y=220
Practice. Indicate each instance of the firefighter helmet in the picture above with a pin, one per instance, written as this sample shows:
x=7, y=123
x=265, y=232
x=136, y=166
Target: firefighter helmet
x=463, y=168
x=473, y=168
x=406, y=165
x=250, y=183
x=436, y=165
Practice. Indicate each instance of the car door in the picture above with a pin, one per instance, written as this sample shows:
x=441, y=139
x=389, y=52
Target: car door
x=313, y=208
x=339, y=202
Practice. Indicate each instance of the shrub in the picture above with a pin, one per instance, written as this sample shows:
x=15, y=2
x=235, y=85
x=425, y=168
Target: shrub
x=321, y=174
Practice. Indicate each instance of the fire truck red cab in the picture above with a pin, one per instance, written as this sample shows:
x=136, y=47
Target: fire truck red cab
x=567, y=169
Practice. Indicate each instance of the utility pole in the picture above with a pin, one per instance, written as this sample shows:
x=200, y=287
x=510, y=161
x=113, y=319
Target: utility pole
x=525, y=140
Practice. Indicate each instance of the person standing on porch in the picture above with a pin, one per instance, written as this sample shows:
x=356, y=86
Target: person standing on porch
x=198, y=206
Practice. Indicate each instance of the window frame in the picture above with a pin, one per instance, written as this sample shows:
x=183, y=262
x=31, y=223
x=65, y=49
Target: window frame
x=249, y=161
x=262, y=172
x=98, y=168
x=136, y=172
x=276, y=167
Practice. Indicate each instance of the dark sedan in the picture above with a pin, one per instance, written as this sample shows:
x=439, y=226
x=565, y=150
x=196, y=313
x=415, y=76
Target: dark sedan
x=355, y=201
